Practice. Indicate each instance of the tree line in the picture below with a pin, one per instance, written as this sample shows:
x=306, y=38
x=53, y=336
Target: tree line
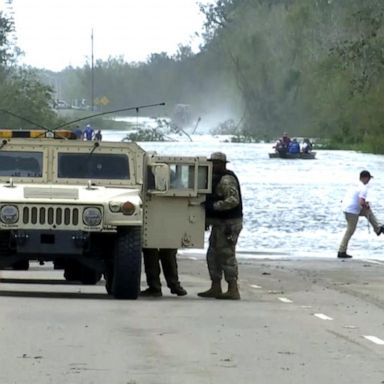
x=309, y=67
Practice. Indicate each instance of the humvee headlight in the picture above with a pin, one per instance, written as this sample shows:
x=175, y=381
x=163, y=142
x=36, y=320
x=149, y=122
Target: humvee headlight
x=115, y=206
x=9, y=214
x=92, y=217
x=128, y=208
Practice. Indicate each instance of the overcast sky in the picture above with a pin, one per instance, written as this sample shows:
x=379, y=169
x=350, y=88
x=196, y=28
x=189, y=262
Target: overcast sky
x=57, y=33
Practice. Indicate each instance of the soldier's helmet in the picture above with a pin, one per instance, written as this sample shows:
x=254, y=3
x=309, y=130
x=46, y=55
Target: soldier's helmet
x=218, y=156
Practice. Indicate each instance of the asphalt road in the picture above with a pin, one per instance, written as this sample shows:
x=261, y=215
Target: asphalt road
x=299, y=321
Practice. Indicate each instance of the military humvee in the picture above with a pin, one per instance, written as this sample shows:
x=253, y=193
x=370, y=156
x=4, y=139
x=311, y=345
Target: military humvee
x=90, y=207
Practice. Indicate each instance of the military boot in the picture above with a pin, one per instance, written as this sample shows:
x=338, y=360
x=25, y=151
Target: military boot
x=214, y=291
x=232, y=293
x=151, y=292
x=178, y=290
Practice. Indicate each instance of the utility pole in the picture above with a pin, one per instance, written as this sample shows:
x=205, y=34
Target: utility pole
x=10, y=13
x=92, y=75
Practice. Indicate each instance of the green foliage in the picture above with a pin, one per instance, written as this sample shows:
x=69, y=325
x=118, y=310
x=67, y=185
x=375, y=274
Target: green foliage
x=145, y=135
x=8, y=51
x=21, y=92
x=227, y=127
x=244, y=139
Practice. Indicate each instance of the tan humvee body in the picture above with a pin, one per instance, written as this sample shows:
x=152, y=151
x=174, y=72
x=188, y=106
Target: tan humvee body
x=90, y=207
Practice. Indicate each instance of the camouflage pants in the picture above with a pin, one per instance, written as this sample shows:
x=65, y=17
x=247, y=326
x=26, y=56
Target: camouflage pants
x=221, y=255
x=152, y=259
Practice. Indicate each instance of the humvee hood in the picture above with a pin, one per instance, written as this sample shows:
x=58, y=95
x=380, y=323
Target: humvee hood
x=69, y=194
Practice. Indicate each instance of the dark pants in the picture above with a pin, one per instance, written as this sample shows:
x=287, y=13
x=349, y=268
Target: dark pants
x=152, y=259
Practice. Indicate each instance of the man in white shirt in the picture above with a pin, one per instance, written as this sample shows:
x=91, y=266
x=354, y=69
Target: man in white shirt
x=355, y=204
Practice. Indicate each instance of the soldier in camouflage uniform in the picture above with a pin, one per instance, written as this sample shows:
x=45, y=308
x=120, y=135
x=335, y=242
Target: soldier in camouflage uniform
x=224, y=214
x=152, y=259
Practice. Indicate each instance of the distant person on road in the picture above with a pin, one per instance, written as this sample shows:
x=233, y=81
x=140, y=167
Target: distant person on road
x=224, y=214
x=78, y=132
x=98, y=135
x=152, y=259
x=355, y=204
x=88, y=132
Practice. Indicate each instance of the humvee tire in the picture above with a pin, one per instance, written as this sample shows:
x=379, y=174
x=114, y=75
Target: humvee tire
x=75, y=271
x=127, y=264
x=58, y=264
x=22, y=265
x=89, y=276
x=108, y=276
x=5, y=250
x=72, y=271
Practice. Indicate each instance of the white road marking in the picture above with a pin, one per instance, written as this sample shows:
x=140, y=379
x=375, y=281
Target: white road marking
x=255, y=286
x=375, y=340
x=285, y=300
x=322, y=316
x=374, y=261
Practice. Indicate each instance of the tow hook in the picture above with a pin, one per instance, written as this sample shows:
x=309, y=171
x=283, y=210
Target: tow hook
x=80, y=239
x=20, y=238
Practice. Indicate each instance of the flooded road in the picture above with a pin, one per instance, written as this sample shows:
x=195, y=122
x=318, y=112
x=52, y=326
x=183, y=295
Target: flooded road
x=293, y=206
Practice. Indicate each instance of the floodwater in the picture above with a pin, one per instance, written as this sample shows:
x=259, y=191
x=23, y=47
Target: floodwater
x=292, y=207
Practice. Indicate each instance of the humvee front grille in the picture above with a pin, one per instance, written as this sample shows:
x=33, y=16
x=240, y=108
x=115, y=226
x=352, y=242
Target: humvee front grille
x=60, y=216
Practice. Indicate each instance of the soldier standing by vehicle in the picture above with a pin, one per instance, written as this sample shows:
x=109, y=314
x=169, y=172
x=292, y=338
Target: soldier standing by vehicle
x=152, y=259
x=224, y=213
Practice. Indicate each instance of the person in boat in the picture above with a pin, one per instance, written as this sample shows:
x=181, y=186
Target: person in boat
x=306, y=146
x=285, y=140
x=282, y=144
x=278, y=145
x=294, y=147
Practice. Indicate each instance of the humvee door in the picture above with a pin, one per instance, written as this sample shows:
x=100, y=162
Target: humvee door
x=174, y=192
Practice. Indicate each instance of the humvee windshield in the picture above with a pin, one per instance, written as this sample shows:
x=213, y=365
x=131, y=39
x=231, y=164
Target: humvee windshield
x=21, y=164
x=93, y=166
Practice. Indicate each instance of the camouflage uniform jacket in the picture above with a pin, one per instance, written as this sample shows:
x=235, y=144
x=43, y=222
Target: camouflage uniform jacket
x=225, y=202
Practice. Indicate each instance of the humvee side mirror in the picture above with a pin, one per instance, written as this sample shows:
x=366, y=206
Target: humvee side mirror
x=161, y=175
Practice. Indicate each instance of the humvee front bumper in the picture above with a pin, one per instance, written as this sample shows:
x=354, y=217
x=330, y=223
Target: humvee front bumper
x=40, y=242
